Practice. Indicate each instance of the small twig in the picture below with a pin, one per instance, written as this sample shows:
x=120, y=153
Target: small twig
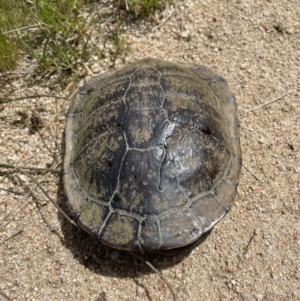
x=163, y=22
x=166, y=19
x=5, y=296
x=6, y=100
x=4, y=220
x=247, y=248
x=4, y=165
x=22, y=28
x=242, y=297
x=8, y=238
x=158, y=273
x=265, y=104
x=257, y=178
x=50, y=199
x=12, y=191
x=88, y=69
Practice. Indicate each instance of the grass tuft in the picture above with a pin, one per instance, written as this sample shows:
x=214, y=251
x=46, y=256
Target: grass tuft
x=9, y=53
x=56, y=33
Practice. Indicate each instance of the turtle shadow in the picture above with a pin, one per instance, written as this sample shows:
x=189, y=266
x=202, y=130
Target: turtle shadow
x=104, y=260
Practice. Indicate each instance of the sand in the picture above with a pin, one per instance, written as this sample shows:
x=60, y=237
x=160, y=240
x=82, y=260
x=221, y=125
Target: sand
x=253, y=253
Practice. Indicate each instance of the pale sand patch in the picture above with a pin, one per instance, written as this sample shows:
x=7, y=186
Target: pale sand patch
x=255, y=45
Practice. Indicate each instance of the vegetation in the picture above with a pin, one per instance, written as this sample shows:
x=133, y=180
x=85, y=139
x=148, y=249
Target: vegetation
x=56, y=33
x=53, y=32
x=141, y=7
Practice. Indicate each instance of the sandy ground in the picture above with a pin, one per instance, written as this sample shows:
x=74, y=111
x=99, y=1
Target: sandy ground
x=253, y=254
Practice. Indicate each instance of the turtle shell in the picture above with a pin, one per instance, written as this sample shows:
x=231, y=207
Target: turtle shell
x=152, y=157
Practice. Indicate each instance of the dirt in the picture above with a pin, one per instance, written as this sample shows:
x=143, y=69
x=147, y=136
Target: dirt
x=253, y=253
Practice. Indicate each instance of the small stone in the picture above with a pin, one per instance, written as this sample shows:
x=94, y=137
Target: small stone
x=140, y=291
x=259, y=297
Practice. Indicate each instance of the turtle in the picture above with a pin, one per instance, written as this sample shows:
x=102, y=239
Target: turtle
x=152, y=155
